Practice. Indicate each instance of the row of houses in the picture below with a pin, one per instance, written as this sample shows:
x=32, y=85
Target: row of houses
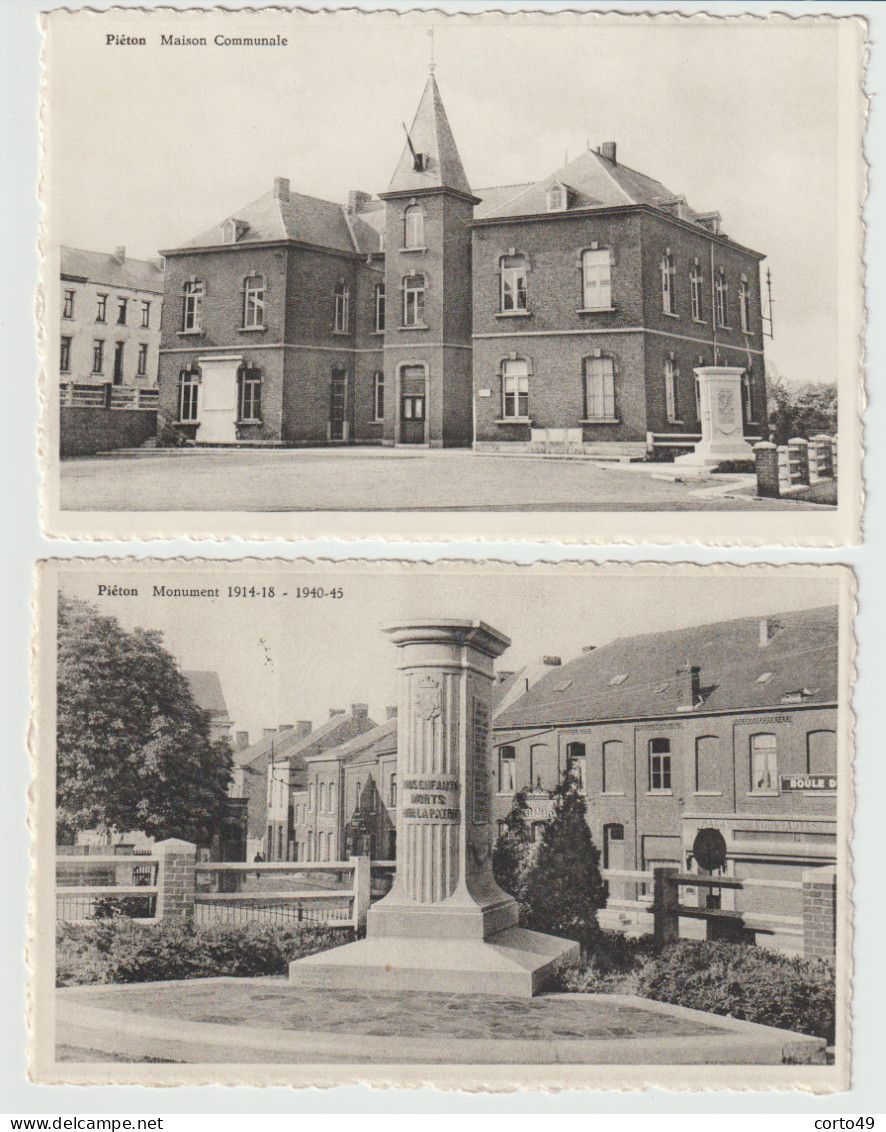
x=435, y=314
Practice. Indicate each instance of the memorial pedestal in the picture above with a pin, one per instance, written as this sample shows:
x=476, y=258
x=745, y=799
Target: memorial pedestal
x=722, y=430
x=445, y=925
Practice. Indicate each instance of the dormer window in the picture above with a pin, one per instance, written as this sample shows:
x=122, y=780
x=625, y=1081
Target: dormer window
x=557, y=198
x=233, y=230
x=617, y=680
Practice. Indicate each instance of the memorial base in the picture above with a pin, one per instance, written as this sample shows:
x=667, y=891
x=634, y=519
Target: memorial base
x=514, y=962
x=708, y=453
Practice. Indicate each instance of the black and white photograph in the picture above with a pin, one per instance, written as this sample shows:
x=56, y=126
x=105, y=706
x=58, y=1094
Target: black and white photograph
x=482, y=824
x=412, y=274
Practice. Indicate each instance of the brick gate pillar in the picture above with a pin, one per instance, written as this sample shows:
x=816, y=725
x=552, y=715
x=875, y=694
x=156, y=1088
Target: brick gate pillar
x=175, y=878
x=820, y=912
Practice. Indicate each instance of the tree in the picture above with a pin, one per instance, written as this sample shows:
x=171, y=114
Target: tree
x=804, y=412
x=511, y=854
x=564, y=889
x=134, y=748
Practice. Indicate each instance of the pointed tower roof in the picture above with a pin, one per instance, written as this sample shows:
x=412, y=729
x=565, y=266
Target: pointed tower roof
x=432, y=140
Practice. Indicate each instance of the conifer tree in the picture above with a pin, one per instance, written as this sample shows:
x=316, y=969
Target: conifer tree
x=564, y=888
x=511, y=854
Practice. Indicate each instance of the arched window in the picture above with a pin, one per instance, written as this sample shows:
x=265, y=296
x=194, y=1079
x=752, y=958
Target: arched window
x=378, y=395
x=249, y=393
x=596, y=281
x=660, y=764
x=192, y=305
x=599, y=389
x=707, y=751
x=188, y=394
x=668, y=278
x=253, y=301
x=507, y=770
x=670, y=383
x=512, y=269
x=696, y=292
x=764, y=763
x=538, y=766
x=613, y=781
x=414, y=300
x=515, y=388
x=413, y=227
x=556, y=198
x=721, y=292
x=576, y=763
x=342, y=297
x=379, y=307
x=821, y=752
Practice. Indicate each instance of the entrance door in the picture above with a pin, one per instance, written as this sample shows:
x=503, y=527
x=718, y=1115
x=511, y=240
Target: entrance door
x=337, y=406
x=412, y=405
x=218, y=402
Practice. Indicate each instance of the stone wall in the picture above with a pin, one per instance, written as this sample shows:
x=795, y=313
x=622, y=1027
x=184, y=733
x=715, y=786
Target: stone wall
x=85, y=431
x=820, y=912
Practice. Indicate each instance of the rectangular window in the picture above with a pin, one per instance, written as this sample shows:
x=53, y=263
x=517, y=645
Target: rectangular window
x=414, y=300
x=98, y=355
x=393, y=791
x=599, y=380
x=68, y=309
x=696, y=293
x=670, y=383
x=413, y=227
x=101, y=313
x=507, y=770
x=250, y=394
x=188, y=390
x=744, y=305
x=142, y=368
x=146, y=315
x=254, y=302
x=720, y=295
x=378, y=396
x=764, y=763
x=121, y=311
x=515, y=389
x=613, y=767
x=379, y=307
x=118, y=362
x=596, y=277
x=64, y=357
x=660, y=764
x=668, y=298
x=192, y=305
x=513, y=283
x=707, y=759
x=342, y=304
x=576, y=763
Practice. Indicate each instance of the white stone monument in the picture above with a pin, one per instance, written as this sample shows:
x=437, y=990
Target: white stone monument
x=722, y=432
x=445, y=925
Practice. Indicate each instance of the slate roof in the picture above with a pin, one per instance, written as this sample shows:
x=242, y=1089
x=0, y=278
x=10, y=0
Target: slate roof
x=304, y=219
x=801, y=657
x=369, y=746
x=108, y=271
x=207, y=691
x=431, y=135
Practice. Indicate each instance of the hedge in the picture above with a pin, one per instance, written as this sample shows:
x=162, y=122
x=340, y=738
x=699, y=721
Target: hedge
x=116, y=950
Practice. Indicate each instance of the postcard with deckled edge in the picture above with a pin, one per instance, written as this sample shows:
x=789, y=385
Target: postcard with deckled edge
x=561, y=825
x=412, y=274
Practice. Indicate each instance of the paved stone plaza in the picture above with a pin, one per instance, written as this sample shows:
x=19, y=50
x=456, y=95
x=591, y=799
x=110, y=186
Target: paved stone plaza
x=377, y=479
x=264, y=1020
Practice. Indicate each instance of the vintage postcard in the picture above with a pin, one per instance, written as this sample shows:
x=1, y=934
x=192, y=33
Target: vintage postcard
x=415, y=274
x=470, y=825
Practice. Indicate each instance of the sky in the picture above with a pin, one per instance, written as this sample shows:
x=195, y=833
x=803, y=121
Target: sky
x=149, y=146
x=284, y=659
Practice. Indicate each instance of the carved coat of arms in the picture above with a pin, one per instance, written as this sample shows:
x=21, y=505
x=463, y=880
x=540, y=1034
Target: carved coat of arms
x=428, y=698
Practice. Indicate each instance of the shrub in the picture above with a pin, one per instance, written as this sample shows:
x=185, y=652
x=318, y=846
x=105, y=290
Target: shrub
x=115, y=950
x=745, y=982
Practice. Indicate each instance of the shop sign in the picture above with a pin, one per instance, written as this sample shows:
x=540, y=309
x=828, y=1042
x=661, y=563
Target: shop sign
x=809, y=782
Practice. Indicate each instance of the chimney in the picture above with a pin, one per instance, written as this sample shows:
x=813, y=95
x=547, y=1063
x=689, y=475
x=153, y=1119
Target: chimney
x=267, y=732
x=120, y=253
x=588, y=648
x=391, y=711
x=500, y=677
x=241, y=740
x=334, y=711
x=688, y=687
x=303, y=728
x=551, y=661
x=769, y=626
x=607, y=150
x=281, y=188
x=360, y=710
x=357, y=201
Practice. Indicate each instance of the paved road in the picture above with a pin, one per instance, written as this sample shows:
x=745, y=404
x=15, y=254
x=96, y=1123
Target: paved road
x=376, y=479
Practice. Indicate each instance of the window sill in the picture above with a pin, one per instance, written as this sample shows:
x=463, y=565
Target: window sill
x=249, y=421
x=100, y=322
x=700, y=321
x=341, y=334
x=422, y=327
x=613, y=794
x=377, y=334
x=659, y=793
x=96, y=373
x=513, y=314
x=514, y=420
x=763, y=793
x=252, y=329
x=723, y=326
x=600, y=420
x=595, y=310
x=181, y=422
x=707, y=793
x=189, y=333
x=377, y=420
x=670, y=314
x=673, y=421
x=411, y=251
